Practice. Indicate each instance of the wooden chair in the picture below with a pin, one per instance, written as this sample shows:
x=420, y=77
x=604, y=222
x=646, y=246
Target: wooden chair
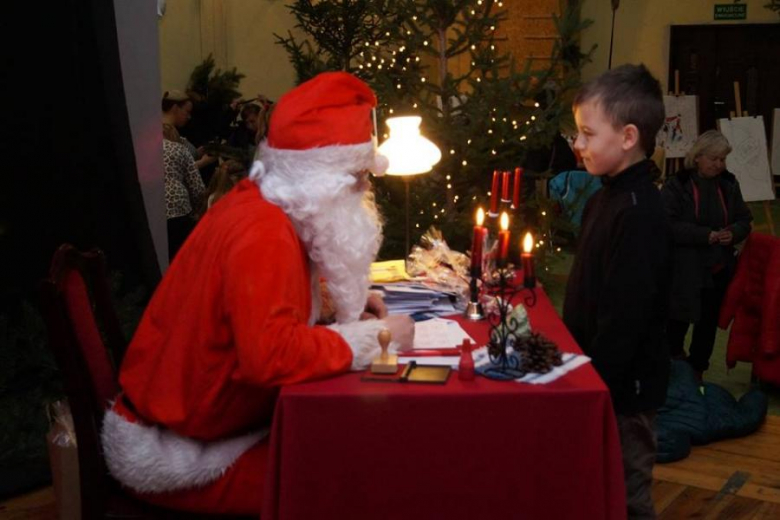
x=72, y=311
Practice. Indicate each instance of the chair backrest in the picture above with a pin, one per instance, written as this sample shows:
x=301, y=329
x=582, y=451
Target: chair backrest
x=89, y=376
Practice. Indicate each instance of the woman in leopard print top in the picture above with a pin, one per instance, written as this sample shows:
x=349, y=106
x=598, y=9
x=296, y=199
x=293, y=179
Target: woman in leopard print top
x=177, y=112
x=183, y=191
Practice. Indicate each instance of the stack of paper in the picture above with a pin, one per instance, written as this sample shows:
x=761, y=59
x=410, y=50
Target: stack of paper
x=413, y=298
x=436, y=334
x=439, y=333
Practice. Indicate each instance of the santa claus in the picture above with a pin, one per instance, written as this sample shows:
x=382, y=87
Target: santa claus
x=235, y=316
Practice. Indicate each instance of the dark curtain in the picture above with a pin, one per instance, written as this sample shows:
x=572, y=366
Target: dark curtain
x=72, y=175
x=68, y=175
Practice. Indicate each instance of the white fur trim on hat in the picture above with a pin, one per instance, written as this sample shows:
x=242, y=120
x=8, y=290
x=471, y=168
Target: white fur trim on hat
x=361, y=336
x=339, y=159
x=150, y=459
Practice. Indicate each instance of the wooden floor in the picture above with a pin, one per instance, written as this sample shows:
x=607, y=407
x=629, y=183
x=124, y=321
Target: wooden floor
x=736, y=480
x=38, y=505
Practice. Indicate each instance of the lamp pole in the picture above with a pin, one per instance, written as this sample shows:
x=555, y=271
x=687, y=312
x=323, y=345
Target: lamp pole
x=615, y=5
x=407, y=179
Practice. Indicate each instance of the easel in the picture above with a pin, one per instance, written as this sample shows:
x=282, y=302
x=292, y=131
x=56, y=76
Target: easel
x=673, y=165
x=740, y=113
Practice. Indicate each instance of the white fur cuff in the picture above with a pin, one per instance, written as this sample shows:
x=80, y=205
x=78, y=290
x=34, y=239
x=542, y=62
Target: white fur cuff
x=150, y=459
x=361, y=336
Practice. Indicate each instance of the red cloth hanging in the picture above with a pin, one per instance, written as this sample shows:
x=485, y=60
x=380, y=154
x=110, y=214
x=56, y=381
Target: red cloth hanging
x=753, y=303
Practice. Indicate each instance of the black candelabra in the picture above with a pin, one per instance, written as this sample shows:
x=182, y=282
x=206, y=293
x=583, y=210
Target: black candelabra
x=504, y=327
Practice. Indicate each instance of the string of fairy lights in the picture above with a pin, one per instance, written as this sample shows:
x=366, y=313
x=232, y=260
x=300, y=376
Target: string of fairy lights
x=375, y=58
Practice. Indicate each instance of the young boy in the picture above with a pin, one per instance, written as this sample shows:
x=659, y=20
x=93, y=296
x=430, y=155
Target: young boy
x=617, y=294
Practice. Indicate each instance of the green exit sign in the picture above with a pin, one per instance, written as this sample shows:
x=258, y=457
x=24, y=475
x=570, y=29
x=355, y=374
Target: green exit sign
x=730, y=11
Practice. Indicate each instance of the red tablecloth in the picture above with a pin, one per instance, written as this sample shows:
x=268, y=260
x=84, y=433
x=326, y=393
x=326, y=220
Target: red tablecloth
x=343, y=448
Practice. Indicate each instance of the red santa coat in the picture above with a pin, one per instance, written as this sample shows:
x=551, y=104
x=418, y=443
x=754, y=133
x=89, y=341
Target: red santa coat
x=227, y=326
x=753, y=302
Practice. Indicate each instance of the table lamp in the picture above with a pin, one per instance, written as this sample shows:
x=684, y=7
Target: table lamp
x=409, y=153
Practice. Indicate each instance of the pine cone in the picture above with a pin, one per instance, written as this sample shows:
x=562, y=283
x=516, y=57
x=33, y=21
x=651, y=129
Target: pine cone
x=539, y=353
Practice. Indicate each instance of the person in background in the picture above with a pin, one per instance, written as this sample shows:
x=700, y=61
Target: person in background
x=177, y=112
x=244, y=135
x=617, y=295
x=228, y=174
x=184, y=191
x=709, y=217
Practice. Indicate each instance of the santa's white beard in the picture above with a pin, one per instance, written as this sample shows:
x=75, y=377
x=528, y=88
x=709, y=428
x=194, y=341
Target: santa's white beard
x=343, y=239
x=340, y=227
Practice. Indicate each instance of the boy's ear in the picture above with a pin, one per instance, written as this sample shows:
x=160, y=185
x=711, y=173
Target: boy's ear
x=630, y=136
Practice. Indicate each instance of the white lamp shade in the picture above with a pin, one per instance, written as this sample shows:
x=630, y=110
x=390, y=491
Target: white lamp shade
x=408, y=152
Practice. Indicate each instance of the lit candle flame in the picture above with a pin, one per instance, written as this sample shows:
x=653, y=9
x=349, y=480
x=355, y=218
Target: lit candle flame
x=504, y=221
x=528, y=243
x=480, y=216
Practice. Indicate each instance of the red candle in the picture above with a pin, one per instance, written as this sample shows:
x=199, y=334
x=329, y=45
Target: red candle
x=516, y=188
x=494, y=196
x=478, y=244
x=505, y=186
x=503, y=239
x=527, y=259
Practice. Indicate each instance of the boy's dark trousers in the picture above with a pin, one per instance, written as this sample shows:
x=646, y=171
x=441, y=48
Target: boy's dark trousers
x=703, y=330
x=638, y=444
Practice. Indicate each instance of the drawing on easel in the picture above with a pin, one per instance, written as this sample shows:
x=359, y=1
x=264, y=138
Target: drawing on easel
x=681, y=125
x=776, y=142
x=748, y=159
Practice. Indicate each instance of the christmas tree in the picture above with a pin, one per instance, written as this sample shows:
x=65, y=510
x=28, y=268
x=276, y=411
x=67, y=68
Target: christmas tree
x=212, y=90
x=445, y=61
x=337, y=34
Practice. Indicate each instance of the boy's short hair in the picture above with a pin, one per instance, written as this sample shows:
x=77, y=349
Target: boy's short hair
x=629, y=95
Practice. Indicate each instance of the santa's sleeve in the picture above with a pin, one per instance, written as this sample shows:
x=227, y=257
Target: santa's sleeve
x=266, y=289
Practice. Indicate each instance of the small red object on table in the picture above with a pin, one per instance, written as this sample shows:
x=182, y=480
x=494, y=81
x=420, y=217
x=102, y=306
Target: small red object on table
x=466, y=364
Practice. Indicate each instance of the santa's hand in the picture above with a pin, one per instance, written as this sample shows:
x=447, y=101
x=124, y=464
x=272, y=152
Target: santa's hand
x=401, y=328
x=361, y=337
x=375, y=308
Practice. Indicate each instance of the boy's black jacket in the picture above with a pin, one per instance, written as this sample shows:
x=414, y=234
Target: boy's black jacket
x=617, y=295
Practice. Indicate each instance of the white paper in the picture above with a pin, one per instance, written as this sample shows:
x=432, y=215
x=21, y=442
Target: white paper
x=439, y=361
x=439, y=333
x=681, y=125
x=411, y=298
x=749, y=159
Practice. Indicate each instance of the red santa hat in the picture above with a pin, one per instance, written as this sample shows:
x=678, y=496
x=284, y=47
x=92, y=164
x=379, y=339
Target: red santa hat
x=327, y=119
